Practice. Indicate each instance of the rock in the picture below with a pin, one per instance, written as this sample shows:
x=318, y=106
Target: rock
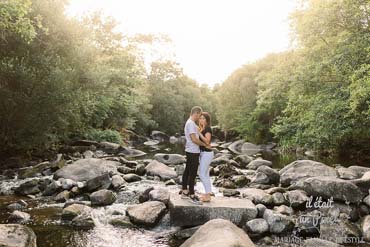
x=278, y=198
x=109, y=147
x=83, y=221
x=227, y=171
x=273, y=176
x=131, y=177
x=117, y=181
x=219, y=233
x=147, y=213
x=68, y=184
x=230, y=192
x=88, y=154
x=224, y=159
x=62, y=196
x=121, y=221
x=359, y=170
x=346, y=173
x=296, y=198
x=155, y=168
x=257, y=196
x=86, y=169
x=261, y=209
x=250, y=148
x=170, y=159
x=278, y=223
x=236, y=147
x=186, y=233
x=337, y=188
x=144, y=195
x=140, y=170
x=301, y=169
x=160, y=194
x=339, y=231
x=102, y=198
x=14, y=235
x=243, y=160
x=315, y=242
x=365, y=227
x=53, y=188
x=159, y=136
x=254, y=164
x=17, y=205
x=72, y=211
x=125, y=170
x=19, y=217
x=30, y=187
x=257, y=226
x=100, y=182
x=283, y=209
x=186, y=214
x=276, y=189
x=151, y=143
x=170, y=182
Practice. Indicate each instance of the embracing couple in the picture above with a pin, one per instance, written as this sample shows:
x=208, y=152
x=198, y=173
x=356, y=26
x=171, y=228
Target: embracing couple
x=198, y=153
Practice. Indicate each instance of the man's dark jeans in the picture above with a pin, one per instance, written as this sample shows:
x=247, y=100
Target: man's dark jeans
x=190, y=173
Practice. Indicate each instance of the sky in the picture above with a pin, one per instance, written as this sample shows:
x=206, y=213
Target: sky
x=210, y=38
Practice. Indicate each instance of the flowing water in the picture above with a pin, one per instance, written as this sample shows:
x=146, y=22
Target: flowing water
x=51, y=232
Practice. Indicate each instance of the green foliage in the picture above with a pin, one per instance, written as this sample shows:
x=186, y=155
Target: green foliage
x=316, y=95
x=103, y=136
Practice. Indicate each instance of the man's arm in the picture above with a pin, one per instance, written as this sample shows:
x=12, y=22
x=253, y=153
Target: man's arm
x=198, y=142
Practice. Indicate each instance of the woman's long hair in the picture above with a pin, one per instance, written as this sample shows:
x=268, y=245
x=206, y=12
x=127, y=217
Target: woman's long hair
x=207, y=116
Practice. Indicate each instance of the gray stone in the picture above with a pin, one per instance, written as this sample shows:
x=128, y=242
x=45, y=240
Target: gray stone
x=339, y=231
x=86, y=169
x=283, y=209
x=257, y=196
x=155, y=168
x=131, y=177
x=140, y=170
x=359, y=170
x=102, y=198
x=121, y=221
x=186, y=233
x=72, y=211
x=30, y=187
x=272, y=175
x=278, y=223
x=257, y=226
x=147, y=213
x=19, y=217
x=100, y=182
x=346, y=173
x=337, y=188
x=170, y=159
x=254, y=164
x=62, y=196
x=160, y=194
x=184, y=213
x=365, y=227
x=14, y=235
x=301, y=169
x=317, y=242
x=261, y=209
x=278, y=198
x=219, y=233
x=21, y=204
x=117, y=181
x=53, y=188
x=296, y=198
x=243, y=160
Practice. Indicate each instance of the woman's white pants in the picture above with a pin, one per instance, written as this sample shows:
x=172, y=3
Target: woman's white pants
x=204, y=162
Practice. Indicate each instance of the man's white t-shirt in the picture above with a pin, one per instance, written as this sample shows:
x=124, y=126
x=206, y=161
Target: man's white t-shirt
x=191, y=128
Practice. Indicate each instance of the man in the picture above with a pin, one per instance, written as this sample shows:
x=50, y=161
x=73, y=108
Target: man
x=192, y=151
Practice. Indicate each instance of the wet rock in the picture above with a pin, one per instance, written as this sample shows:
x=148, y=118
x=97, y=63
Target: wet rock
x=302, y=169
x=365, y=227
x=159, y=136
x=278, y=198
x=266, y=175
x=241, y=180
x=296, y=198
x=100, y=182
x=186, y=233
x=109, y=147
x=121, y=221
x=278, y=223
x=17, y=205
x=257, y=196
x=170, y=159
x=131, y=177
x=88, y=154
x=186, y=214
x=257, y=226
x=19, y=217
x=254, y=164
x=53, y=188
x=17, y=236
x=147, y=213
x=102, y=198
x=151, y=143
x=72, y=211
x=243, y=160
x=144, y=195
x=327, y=187
x=117, y=181
x=140, y=170
x=155, y=168
x=230, y=192
x=86, y=169
x=130, y=152
x=30, y=187
x=83, y=221
x=217, y=233
x=128, y=163
x=62, y=196
x=125, y=170
x=68, y=184
x=160, y=194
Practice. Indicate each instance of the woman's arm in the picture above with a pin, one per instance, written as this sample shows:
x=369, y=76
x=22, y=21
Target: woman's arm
x=206, y=139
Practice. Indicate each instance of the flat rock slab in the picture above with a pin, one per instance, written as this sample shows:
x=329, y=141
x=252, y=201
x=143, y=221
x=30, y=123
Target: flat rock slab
x=185, y=213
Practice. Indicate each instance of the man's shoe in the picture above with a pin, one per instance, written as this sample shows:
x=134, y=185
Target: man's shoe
x=195, y=199
x=184, y=195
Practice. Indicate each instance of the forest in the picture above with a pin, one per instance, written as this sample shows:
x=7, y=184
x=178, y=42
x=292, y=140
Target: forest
x=64, y=78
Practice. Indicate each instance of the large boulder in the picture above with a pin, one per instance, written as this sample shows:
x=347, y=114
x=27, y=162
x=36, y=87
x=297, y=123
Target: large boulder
x=185, y=213
x=30, y=187
x=14, y=235
x=72, y=211
x=254, y=164
x=266, y=175
x=159, y=136
x=301, y=169
x=257, y=196
x=102, y=198
x=86, y=169
x=147, y=213
x=160, y=194
x=170, y=159
x=99, y=182
x=337, y=188
x=219, y=233
x=156, y=168
x=365, y=227
x=278, y=223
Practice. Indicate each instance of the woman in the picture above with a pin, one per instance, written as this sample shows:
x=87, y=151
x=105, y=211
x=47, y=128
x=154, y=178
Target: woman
x=206, y=155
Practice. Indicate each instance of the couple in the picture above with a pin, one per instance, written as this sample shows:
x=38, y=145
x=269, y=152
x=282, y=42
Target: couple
x=198, y=153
